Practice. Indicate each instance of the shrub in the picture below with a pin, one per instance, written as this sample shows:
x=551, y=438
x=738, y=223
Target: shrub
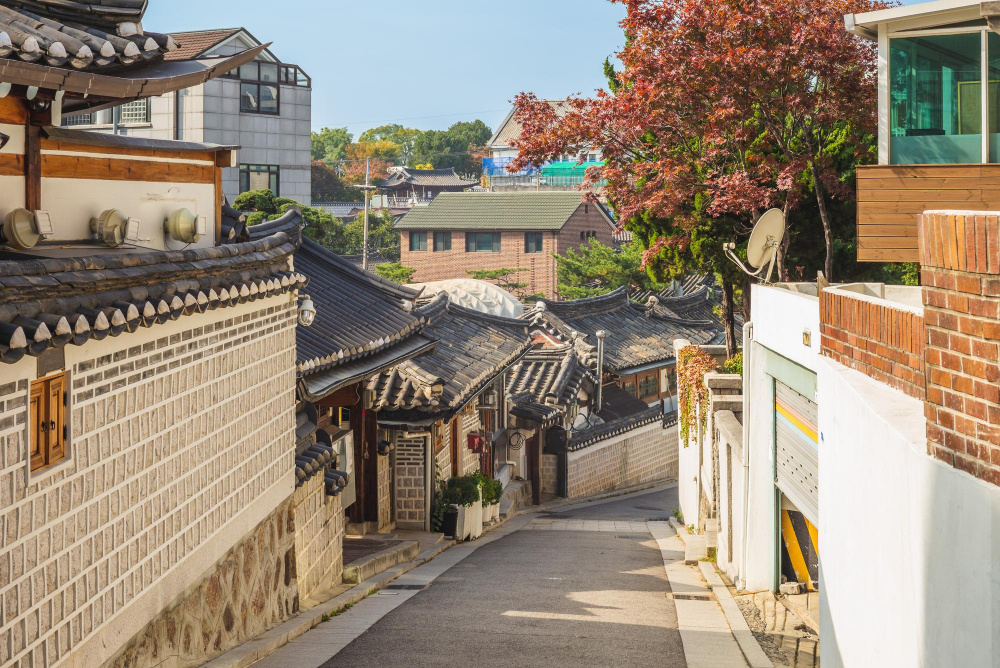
x=734, y=364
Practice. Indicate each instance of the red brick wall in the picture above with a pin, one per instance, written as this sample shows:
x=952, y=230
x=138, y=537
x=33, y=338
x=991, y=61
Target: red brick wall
x=960, y=258
x=540, y=274
x=884, y=343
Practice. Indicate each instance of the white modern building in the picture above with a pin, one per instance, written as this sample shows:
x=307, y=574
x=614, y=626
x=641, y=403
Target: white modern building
x=264, y=107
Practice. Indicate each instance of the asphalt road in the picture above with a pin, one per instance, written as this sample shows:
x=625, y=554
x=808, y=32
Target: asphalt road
x=540, y=598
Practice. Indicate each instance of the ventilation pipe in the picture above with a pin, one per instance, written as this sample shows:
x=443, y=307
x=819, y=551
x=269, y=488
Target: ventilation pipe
x=600, y=371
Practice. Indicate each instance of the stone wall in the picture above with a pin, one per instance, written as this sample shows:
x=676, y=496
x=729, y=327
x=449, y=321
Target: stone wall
x=385, y=509
x=319, y=537
x=645, y=454
x=410, y=480
x=469, y=423
x=550, y=474
x=252, y=589
x=180, y=443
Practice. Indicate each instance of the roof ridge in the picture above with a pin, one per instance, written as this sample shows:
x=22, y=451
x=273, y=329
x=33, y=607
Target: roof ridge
x=384, y=284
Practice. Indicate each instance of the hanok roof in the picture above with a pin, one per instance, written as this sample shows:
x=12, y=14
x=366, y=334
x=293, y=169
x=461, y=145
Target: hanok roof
x=94, y=53
x=472, y=350
x=427, y=178
x=375, y=258
x=554, y=375
x=637, y=335
x=196, y=43
x=621, y=412
x=363, y=323
x=533, y=210
x=49, y=302
x=510, y=129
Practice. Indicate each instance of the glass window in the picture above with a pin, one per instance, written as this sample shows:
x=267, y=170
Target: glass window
x=532, y=242
x=418, y=241
x=268, y=99
x=442, y=241
x=649, y=387
x=482, y=242
x=259, y=98
x=993, y=72
x=269, y=72
x=249, y=97
x=935, y=99
x=248, y=72
x=259, y=177
x=134, y=112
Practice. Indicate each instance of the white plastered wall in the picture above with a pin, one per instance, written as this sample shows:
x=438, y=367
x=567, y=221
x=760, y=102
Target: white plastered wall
x=909, y=545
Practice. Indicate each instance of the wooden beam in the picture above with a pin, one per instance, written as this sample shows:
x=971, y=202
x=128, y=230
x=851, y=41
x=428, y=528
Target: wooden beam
x=13, y=111
x=201, y=156
x=11, y=164
x=33, y=168
x=218, y=206
x=112, y=169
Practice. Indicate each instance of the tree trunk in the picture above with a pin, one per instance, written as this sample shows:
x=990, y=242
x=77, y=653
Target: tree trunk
x=785, y=242
x=745, y=304
x=728, y=317
x=825, y=217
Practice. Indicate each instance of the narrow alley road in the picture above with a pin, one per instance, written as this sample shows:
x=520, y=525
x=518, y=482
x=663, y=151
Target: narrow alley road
x=581, y=587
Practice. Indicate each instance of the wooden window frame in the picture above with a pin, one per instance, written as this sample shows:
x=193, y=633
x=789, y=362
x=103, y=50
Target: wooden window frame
x=47, y=419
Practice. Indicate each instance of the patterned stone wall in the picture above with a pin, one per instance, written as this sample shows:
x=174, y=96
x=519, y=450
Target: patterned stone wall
x=385, y=509
x=319, y=537
x=646, y=454
x=550, y=474
x=469, y=422
x=409, y=480
x=251, y=590
x=180, y=443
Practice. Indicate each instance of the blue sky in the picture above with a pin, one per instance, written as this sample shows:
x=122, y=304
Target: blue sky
x=422, y=63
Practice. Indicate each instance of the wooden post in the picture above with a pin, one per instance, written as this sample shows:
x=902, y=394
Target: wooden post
x=33, y=168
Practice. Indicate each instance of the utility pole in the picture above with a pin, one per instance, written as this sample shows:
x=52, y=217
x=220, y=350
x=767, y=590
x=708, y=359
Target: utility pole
x=364, y=250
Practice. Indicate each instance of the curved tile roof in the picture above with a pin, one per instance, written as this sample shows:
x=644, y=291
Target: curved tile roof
x=437, y=178
x=554, y=375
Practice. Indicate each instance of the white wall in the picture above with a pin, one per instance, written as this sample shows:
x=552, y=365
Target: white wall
x=779, y=317
x=909, y=545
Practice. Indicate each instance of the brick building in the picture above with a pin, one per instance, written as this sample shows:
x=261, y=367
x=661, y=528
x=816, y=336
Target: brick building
x=458, y=232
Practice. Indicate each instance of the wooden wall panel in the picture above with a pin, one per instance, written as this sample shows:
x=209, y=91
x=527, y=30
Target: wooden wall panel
x=110, y=169
x=891, y=197
x=13, y=111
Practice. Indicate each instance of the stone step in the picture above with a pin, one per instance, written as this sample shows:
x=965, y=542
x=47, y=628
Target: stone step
x=373, y=564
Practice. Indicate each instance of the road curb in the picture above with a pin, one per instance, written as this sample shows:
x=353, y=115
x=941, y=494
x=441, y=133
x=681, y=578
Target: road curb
x=752, y=652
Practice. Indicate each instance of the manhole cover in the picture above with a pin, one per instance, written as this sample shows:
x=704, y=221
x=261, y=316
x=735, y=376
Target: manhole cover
x=406, y=587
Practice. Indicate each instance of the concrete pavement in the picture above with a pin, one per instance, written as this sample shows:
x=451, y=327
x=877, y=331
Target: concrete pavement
x=585, y=585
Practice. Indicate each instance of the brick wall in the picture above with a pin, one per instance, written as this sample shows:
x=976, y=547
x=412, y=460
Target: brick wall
x=645, y=454
x=181, y=443
x=469, y=423
x=873, y=337
x=550, y=474
x=540, y=274
x=960, y=258
x=410, y=480
x=319, y=537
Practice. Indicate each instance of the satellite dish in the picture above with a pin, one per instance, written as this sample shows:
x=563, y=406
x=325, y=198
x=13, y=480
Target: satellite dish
x=19, y=229
x=112, y=227
x=762, y=248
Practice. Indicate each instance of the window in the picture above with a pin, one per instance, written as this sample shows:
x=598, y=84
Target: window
x=649, y=387
x=629, y=386
x=935, y=99
x=587, y=235
x=482, y=242
x=418, y=241
x=288, y=75
x=259, y=92
x=78, y=119
x=48, y=411
x=259, y=177
x=134, y=112
x=532, y=242
x=442, y=241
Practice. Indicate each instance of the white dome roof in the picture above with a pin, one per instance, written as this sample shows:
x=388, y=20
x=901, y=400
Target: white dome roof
x=476, y=295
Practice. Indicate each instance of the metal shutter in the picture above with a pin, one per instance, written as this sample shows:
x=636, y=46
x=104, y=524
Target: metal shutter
x=796, y=450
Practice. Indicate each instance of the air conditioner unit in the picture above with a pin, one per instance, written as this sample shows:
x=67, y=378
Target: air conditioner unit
x=184, y=226
x=114, y=228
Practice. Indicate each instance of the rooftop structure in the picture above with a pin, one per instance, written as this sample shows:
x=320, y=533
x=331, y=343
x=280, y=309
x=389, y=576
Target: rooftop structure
x=423, y=184
x=476, y=295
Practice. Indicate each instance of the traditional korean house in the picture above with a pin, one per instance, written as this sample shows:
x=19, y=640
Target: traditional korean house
x=445, y=412
x=638, y=355
x=364, y=325
x=147, y=355
x=421, y=185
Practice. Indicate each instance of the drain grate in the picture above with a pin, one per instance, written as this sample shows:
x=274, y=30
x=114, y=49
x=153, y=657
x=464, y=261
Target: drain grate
x=633, y=536
x=653, y=508
x=694, y=597
x=406, y=587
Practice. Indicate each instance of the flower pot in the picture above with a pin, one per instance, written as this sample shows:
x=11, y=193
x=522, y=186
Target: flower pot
x=476, y=526
x=495, y=511
x=462, y=523
x=487, y=513
x=450, y=525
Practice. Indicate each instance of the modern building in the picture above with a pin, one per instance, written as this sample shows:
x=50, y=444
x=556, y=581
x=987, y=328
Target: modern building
x=264, y=108
x=565, y=173
x=458, y=232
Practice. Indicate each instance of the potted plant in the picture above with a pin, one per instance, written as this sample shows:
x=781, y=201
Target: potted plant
x=497, y=495
x=461, y=495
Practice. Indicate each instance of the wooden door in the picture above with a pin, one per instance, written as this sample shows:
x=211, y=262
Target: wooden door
x=535, y=468
x=38, y=419
x=55, y=416
x=456, y=451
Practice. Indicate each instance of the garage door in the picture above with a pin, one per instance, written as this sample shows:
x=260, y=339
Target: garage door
x=796, y=449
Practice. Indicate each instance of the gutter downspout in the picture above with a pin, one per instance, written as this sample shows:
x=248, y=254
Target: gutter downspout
x=428, y=478
x=747, y=391
x=598, y=400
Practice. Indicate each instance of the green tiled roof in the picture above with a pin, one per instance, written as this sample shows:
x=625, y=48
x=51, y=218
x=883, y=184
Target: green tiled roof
x=494, y=211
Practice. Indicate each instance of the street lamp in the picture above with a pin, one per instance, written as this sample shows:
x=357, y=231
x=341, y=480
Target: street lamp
x=307, y=311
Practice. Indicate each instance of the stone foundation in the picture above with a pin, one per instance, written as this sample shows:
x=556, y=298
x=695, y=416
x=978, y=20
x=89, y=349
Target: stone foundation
x=410, y=479
x=253, y=589
x=550, y=474
x=646, y=454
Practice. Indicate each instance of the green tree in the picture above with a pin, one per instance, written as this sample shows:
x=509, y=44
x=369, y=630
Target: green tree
x=318, y=225
x=395, y=134
x=328, y=186
x=595, y=269
x=396, y=272
x=382, y=234
x=455, y=147
x=506, y=278
x=330, y=144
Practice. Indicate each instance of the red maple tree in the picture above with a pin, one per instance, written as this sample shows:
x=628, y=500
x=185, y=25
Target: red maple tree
x=721, y=109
